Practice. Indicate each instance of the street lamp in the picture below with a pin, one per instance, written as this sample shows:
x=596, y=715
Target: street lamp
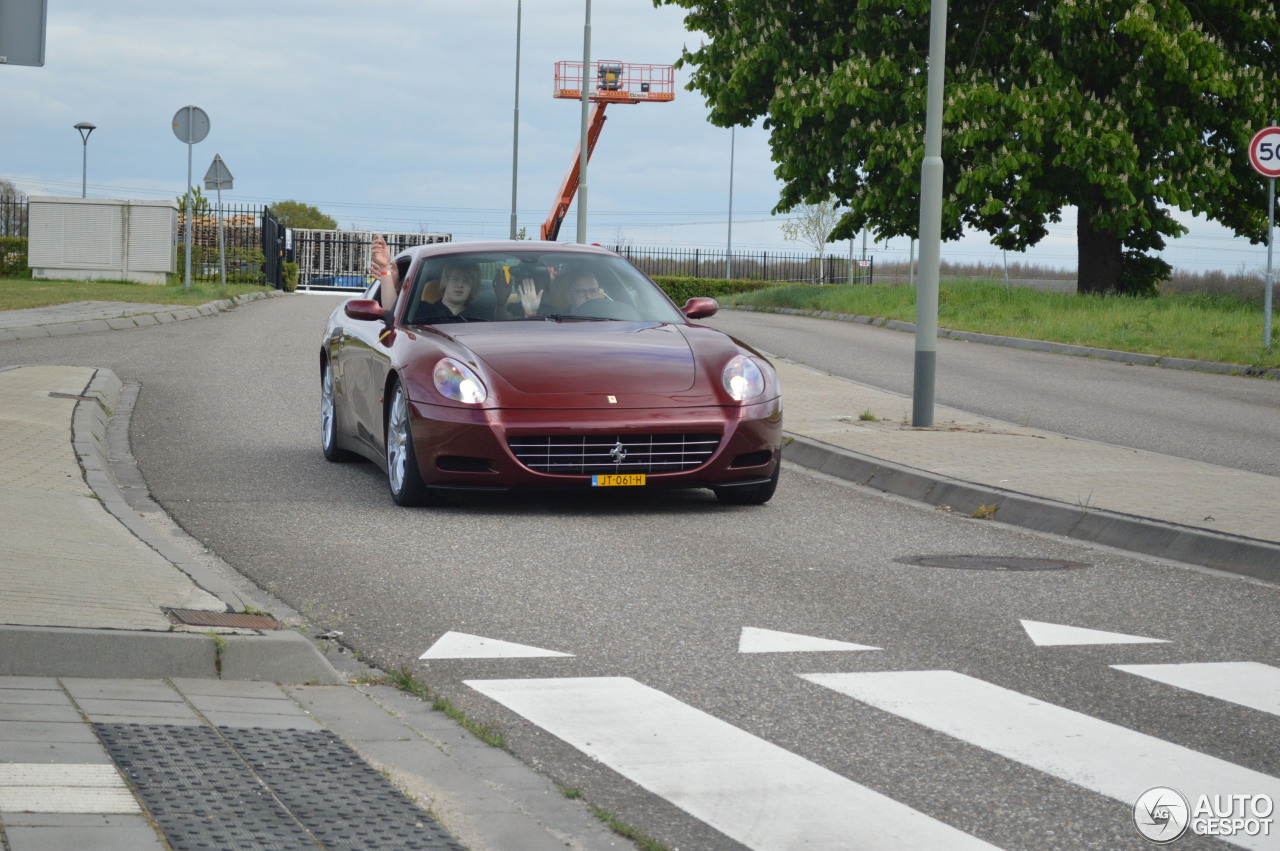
x=85, y=129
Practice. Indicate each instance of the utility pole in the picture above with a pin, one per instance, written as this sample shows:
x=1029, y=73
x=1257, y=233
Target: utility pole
x=584, y=144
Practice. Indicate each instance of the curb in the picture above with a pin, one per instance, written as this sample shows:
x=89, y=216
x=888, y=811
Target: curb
x=1028, y=345
x=138, y=320
x=1232, y=554
x=99, y=427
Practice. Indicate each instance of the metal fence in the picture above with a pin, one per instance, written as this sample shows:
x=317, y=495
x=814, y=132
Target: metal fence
x=242, y=237
x=13, y=217
x=338, y=260
x=779, y=266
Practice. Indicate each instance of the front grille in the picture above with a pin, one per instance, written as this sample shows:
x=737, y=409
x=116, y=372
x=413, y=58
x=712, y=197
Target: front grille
x=583, y=455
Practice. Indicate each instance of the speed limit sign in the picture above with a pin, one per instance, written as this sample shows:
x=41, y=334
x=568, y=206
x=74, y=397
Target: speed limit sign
x=1264, y=152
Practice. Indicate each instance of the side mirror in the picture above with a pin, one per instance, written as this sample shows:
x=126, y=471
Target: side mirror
x=700, y=308
x=366, y=309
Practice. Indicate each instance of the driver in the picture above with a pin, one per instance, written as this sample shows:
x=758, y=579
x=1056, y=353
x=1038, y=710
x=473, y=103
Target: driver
x=459, y=283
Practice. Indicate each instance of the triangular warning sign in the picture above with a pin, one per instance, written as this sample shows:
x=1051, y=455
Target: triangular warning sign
x=1052, y=635
x=460, y=645
x=755, y=640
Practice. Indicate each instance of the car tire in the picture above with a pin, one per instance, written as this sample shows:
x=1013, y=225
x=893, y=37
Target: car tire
x=751, y=494
x=329, y=418
x=403, y=476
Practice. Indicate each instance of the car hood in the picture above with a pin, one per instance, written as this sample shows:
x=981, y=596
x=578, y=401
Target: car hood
x=603, y=357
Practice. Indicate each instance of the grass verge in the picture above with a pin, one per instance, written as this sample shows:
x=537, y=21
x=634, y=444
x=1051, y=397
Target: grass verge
x=643, y=842
x=21, y=293
x=403, y=679
x=1183, y=325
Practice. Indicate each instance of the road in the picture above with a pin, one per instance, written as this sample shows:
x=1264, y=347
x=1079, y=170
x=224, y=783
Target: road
x=1228, y=420
x=660, y=603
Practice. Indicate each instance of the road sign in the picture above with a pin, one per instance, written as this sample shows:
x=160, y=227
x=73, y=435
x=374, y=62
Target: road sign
x=22, y=31
x=191, y=125
x=218, y=176
x=1264, y=152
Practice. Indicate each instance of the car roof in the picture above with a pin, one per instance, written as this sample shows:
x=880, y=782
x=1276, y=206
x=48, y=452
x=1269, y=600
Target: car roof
x=522, y=246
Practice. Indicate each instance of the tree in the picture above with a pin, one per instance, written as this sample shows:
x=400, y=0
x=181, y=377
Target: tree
x=199, y=204
x=1121, y=108
x=295, y=214
x=812, y=224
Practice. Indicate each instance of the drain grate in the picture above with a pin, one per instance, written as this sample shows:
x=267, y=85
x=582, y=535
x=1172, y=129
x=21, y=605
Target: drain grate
x=266, y=790
x=977, y=562
x=238, y=620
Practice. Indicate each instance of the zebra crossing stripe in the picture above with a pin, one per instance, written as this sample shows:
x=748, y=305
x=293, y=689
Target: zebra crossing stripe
x=1098, y=755
x=1250, y=684
x=749, y=789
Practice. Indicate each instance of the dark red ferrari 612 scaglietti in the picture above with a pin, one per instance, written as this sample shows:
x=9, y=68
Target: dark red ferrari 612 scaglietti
x=542, y=365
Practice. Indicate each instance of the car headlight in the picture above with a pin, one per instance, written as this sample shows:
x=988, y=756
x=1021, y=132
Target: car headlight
x=742, y=378
x=458, y=382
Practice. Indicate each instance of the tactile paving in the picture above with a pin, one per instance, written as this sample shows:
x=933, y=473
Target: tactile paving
x=340, y=798
x=265, y=790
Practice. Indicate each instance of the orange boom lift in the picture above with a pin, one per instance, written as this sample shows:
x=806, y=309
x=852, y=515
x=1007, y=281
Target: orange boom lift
x=615, y=82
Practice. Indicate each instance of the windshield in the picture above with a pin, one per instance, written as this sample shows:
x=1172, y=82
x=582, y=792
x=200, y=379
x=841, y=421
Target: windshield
x=547, y=286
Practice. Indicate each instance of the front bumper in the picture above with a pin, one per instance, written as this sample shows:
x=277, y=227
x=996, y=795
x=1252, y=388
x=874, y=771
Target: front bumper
x=468, y=448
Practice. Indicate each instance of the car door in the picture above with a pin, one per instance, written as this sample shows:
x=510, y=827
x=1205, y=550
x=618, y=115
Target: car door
x=363, y=364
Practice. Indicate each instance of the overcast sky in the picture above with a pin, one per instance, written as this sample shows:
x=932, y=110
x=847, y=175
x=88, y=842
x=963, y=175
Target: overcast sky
x=398, y=116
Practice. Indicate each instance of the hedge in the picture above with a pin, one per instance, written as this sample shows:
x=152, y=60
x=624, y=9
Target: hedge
x=13, y=257
x=681, y=289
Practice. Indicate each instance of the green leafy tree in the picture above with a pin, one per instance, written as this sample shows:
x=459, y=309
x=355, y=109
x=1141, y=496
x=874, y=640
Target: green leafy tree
x=1119, y=108
x=295, y=214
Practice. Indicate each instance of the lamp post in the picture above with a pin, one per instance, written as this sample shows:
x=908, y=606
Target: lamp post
x=85, y=129
x=515, y=123
x=728, y=250
x=930, y=225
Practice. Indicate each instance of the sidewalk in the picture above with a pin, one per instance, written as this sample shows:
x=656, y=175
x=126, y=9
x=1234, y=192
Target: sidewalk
x=121, y=724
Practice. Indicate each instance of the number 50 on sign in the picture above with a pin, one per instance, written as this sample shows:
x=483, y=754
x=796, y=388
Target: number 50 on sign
x=1264, y=152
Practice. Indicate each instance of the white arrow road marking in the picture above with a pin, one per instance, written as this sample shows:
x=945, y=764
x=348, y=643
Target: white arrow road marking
x=460, y=645
x=1107, y=758
x=755, y=640
x=1052, y=634
x=63, y=788
x=1250, y=684
x=743, y=786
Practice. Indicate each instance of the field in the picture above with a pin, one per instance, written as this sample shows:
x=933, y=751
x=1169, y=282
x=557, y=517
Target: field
x=1222, y=325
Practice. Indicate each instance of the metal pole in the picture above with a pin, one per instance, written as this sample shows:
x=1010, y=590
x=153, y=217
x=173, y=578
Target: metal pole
x=728, y=252
x=1271, y=226
x=515, y=132
x=586, y=150
x=222, y=251
x=930, y=225
x=186, y=276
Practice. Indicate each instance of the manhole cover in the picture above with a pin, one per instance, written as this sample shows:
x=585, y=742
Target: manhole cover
x=968, y=562
x=237, y=620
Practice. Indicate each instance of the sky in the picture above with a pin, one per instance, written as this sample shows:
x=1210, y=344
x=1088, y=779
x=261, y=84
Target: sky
x=398, y=115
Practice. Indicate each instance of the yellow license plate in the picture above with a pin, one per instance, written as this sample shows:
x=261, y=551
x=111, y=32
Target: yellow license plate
x=618, y=480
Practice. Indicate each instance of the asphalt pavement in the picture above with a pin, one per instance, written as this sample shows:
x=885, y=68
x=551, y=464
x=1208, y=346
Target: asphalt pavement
x=148, y=699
